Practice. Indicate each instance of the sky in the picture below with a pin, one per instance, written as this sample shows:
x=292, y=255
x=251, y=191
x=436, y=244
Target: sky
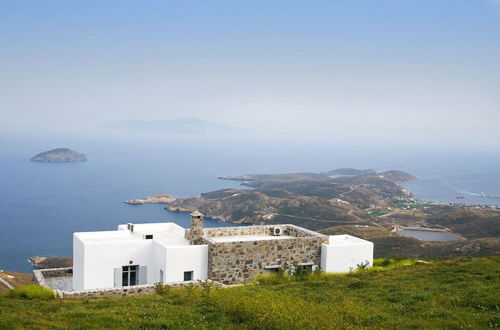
x=420, y=71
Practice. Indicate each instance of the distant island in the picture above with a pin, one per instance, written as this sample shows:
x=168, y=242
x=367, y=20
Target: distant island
x=156, y=199
x=59, y=155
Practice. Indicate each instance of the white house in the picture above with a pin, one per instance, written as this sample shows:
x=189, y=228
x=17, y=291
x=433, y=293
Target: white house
x=136, y=254
x=165, y=252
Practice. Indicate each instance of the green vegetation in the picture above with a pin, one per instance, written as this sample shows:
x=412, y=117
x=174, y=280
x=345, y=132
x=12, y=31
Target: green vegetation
x=31, y=291
x=377, y=213
x=395, y=294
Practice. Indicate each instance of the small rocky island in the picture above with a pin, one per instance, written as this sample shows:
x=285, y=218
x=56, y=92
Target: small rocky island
x=156, y=199
x=59, y=155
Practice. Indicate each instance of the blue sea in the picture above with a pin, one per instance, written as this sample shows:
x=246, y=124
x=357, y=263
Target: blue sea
x=41, y=205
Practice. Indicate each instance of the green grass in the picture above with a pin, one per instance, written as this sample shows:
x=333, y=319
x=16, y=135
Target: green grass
x=377, y=213
x=396, y=294
x=31, y=291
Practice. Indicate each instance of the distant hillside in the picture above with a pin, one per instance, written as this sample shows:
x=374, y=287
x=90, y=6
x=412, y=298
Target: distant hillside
x=248, y=206
x=365, y=205
x=59, y=155
x=183, y=125
x=397, y=176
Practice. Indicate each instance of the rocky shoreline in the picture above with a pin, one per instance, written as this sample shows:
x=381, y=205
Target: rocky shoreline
x=156, y=199
x=49, y=262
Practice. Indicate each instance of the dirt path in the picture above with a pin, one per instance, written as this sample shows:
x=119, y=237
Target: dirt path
x=320, y=220
x=7, y=284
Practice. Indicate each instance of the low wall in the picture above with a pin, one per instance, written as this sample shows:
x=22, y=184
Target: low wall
x=236, y=231
x=41, y=274
x=290, y=230
x=126, y=290
x=297, y=231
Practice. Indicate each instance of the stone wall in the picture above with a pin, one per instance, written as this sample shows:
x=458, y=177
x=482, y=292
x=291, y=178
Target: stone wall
x=57, y=272
x=235, y=262
x=297, y=231
x=290, y=230
x=126, y=290
x=41, y=274
x=240, y=230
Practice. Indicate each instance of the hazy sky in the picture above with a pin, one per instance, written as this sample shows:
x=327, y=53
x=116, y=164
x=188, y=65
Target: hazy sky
x=421, y=70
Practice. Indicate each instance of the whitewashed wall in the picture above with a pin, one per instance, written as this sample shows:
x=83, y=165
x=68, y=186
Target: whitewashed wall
x=78, y=260
x=101, y=259
x=186, y=258
x=340, y=258
x=94, y=262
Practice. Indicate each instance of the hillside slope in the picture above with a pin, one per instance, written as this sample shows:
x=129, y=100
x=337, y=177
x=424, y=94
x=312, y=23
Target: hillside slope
x=460, y=293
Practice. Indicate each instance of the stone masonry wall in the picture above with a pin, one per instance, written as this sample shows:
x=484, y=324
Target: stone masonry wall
x=57, y=272
x=235, y=262
x=290, y=230
x=124, y=291
x=40, y=276
x=240, y=230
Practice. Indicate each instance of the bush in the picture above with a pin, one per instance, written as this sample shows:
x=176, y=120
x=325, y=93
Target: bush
x=162, y=289
x=32, y=291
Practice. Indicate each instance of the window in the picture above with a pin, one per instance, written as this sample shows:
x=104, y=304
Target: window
x=188, y=276
x=272, y=270
x=149, y=237
x=161, y=276
x=129, y=275
x=303, y=269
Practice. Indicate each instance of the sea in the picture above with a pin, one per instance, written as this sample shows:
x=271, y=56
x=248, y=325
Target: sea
x=42, y=205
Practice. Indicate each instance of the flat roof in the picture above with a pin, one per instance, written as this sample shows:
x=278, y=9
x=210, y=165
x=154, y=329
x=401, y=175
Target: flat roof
x=246, y=238
x=169, y=234
x=346, y=240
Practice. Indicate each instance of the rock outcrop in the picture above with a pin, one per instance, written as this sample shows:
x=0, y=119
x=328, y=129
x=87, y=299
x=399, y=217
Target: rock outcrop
x=156, y=199
x=48, y=262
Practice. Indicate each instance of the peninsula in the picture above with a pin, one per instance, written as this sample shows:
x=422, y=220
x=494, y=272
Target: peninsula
x=365, y=203
x=59, y=155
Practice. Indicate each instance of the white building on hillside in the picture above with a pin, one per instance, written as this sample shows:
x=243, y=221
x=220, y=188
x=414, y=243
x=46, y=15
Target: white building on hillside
x=143, y=254
x=165, y=252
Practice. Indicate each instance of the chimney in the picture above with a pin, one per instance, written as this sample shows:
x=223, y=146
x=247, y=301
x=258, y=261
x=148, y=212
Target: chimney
x=196, y=232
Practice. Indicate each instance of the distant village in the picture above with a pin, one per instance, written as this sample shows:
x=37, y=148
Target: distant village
x=412, y=203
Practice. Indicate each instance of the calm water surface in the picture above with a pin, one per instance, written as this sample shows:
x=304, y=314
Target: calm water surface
x=427, y=235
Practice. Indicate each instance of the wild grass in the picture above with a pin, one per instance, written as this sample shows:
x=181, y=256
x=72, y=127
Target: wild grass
x=395, y=294
x=31, y=291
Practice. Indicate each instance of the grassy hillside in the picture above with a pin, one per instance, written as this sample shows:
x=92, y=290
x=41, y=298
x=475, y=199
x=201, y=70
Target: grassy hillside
x=460, y=293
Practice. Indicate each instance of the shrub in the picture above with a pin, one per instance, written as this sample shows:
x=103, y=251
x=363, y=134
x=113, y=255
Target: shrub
x=301, y=271
x=363, y=265
x=162, y=289
x=32, y=291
